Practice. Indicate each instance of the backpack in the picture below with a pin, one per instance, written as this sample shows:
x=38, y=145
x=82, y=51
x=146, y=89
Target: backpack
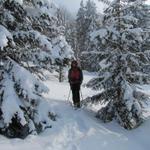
x=75, y=74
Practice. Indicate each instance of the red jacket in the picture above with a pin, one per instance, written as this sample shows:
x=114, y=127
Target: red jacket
x=75, y=75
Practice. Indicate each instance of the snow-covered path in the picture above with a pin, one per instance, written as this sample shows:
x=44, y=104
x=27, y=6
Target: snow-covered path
x=79, y=129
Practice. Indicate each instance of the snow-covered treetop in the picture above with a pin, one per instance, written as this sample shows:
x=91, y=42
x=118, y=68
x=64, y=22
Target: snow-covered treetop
x=33, y=25
x=122, y=45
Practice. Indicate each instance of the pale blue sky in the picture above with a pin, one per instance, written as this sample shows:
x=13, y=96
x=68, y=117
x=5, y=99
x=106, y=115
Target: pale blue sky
x=73, y=5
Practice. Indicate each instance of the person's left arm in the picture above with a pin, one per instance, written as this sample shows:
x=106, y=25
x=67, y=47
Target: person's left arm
x=81, y=76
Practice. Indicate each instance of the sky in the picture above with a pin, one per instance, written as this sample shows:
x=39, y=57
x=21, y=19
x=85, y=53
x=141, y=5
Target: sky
x=73, y=5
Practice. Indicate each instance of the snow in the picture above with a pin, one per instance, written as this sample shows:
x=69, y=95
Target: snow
x=103, y=64
x=28, y=96
x=19, y=1
x=48, y=7
x=128, y=96
x=102, y=33
x=11, y=99
x=4, y=36
x=79, y=129
x=26, y=80
x=42, y=39
x=61, y=50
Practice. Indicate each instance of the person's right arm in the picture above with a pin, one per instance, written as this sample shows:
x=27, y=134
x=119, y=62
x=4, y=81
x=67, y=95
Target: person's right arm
x=69, y=76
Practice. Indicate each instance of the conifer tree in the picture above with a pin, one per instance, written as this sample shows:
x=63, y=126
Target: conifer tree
x=30, y=41
x=87, y=21
x=81, y=34
x=124, y=62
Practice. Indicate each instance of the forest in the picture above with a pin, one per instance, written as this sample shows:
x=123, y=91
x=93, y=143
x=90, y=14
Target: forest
x=39, y=42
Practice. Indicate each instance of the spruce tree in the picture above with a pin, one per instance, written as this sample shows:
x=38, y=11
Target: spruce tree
x=81, y=33
x=30, y=41
x=123, y=54
x=87, y=22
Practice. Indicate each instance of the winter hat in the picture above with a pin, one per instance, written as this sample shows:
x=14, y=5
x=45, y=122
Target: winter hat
x=74, y=62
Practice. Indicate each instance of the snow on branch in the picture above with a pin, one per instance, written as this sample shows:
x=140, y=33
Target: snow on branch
x=5, y=36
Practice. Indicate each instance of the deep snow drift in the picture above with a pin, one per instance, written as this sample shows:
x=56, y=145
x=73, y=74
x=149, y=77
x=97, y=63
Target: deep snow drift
x=79, y=129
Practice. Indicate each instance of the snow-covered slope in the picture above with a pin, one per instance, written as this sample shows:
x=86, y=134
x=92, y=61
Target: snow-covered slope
x=79, y=129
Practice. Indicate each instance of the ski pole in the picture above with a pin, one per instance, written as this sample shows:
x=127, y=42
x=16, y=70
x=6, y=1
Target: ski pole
x=81, y=95
x=69, y=95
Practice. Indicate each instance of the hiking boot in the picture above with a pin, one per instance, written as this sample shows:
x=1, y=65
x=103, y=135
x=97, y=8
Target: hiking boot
x=77, y=105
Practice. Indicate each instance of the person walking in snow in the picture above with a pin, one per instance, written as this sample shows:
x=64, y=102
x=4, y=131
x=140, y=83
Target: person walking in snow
x=75, y=77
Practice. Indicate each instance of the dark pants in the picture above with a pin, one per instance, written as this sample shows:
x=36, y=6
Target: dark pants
x=76, y=94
